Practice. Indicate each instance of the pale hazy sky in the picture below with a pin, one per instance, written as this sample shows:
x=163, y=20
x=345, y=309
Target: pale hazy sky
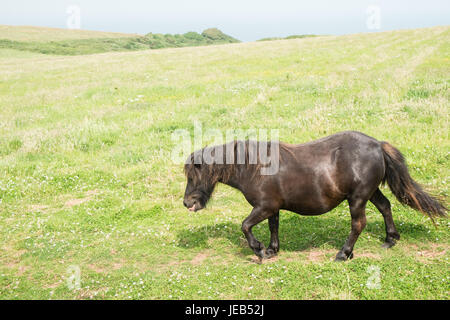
x=244, y=19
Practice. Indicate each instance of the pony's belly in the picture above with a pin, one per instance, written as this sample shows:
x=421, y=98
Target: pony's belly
x=312, y=209
x=307, y=211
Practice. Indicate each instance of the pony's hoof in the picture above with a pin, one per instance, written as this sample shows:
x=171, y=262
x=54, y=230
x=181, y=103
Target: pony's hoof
x=270, y=253
x=391, y=240
x=261, y=254
x=388, y=244
x=341, y=256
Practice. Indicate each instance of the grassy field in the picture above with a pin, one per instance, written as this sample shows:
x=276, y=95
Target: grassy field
x=87, y=184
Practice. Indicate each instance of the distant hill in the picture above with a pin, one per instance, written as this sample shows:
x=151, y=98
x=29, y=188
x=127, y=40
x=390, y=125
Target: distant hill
x=77, y=42
x=295, y=36
x=214, y=34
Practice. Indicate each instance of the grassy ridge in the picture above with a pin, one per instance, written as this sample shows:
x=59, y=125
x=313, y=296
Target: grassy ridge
x=105, y=44
x=295, y=36
x=45, y=34
x=86, y=178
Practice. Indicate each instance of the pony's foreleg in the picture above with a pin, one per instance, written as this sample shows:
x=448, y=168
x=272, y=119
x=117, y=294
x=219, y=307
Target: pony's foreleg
x=256, y=216
x=358, y=213
x=274, y=245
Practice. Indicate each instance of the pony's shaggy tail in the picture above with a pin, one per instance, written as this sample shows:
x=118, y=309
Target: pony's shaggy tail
x=405, y=189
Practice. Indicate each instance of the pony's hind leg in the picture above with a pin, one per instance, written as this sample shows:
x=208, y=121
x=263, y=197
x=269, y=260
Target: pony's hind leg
x=384, y=206
x=274, y=245
x=357, y=211
x=256, y=216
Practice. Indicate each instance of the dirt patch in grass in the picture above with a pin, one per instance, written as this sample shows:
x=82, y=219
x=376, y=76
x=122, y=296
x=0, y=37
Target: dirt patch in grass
x=317, y=255
x=425, y=253
x=255, y=259
x=12, y=258
x=96, y=268
x=435, y=251
x=199, y=258
x=53, y=285
x=75, y=202
x=176, y=262
x=369, y=255
x=21, y=270
x=38, y=207
x=105, y=269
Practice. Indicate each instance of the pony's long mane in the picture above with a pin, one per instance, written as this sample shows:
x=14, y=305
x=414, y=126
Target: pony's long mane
x=221, y=171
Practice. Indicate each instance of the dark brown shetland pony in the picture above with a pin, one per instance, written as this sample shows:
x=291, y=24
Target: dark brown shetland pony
x=312, y=178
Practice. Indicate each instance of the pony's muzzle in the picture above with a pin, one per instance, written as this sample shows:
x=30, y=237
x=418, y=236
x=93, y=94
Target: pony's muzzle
x=191, y=206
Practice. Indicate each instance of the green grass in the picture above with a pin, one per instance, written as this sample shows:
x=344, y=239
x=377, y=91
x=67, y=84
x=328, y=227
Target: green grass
x=86, y=178
x=91, y=45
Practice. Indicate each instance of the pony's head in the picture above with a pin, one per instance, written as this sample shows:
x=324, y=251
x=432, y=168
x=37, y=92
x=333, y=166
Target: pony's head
x=206, y=167
x=201, y=181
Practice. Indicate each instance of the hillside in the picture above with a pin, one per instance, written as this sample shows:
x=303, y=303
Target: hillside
x=45, y=34
x=296, y=36
x=88, y=181
x=78, y=42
